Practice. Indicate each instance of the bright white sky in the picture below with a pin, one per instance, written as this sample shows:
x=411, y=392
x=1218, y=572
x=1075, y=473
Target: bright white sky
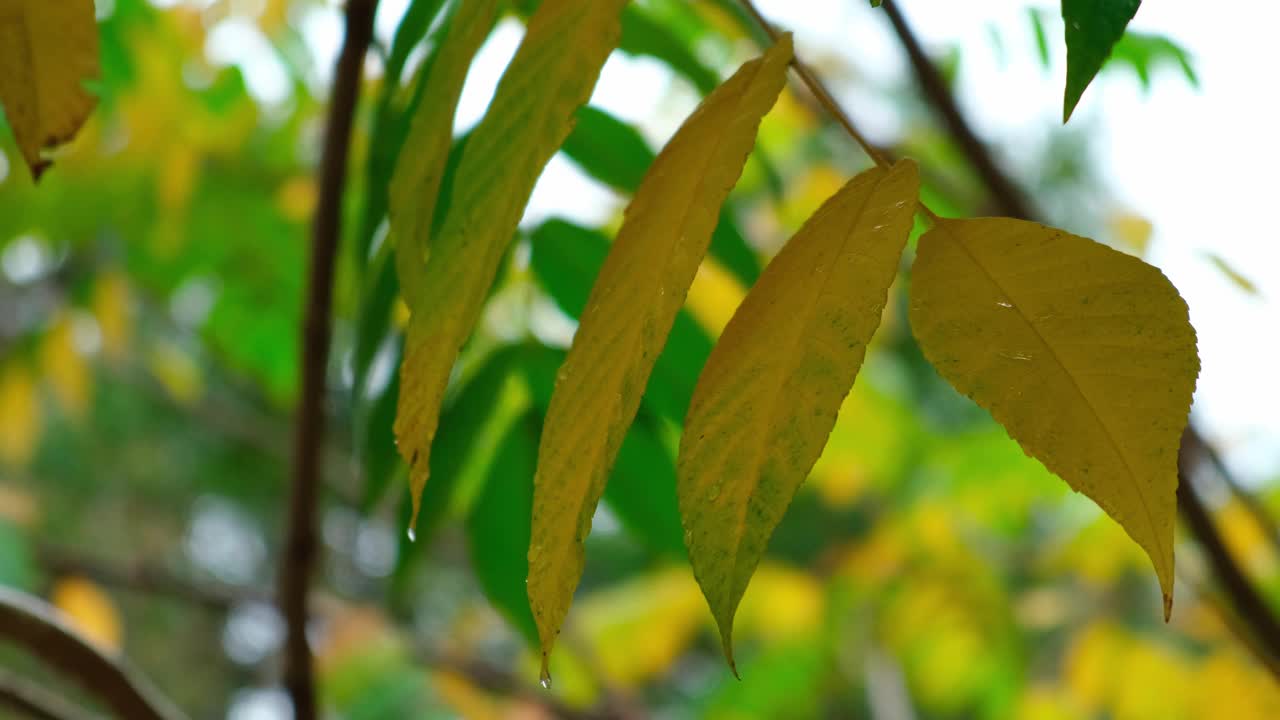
x=1198, y=164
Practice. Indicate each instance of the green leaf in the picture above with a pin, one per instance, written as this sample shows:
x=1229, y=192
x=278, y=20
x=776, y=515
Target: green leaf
x=768, y=396
x=550, y=77
x=633, y=304
x=498, y=526
x=1084, y=354
x=643, y=35
x=1092, y=28
x=1143, y=53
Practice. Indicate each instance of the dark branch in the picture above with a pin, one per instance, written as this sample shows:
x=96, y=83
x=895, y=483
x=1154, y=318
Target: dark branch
x=301, y=548
x=36, y=627
x=35, y=701
x=1248, y=603
x=1004, y=191
x=148, y=580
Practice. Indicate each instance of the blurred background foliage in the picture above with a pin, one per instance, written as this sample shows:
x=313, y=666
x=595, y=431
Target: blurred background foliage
x=150, y=302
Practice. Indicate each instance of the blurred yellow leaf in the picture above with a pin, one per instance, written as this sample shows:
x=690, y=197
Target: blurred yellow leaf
x=296, y=198
x=1231, y=687
x=1039, y=702
x=639, y=628
x=177, y=177
x=19, y=414
x=113, y=311
x=1132, y=232
x=176, y=372
x=713, y=296
x=91, y=611
x=47, y=51
x=784, y=603
x=768, y=397
x=1235, y=276
x=64, y=368
x=1084, y=354
x=629, y=313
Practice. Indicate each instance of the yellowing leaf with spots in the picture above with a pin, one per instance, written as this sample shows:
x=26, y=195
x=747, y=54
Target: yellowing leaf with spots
x=420, y=168
x=629, y=313
x=48, y=50
x=767, y=399
x=19, y=415
x=1084, y=354
x=550, y=77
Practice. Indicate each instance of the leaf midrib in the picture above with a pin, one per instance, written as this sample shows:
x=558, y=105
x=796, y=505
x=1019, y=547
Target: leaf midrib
x=1017, y=307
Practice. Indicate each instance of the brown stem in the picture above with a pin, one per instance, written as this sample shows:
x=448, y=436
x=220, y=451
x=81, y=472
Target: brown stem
x=30, y=623
x=1004, y=191
x=32, y=700
x=148, y=580
x=301, y=548
x=1248, y=603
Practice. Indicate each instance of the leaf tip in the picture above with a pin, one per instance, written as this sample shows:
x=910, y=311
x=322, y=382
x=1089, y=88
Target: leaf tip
x=726, y=642
x=1168, y=605
x=544, y=676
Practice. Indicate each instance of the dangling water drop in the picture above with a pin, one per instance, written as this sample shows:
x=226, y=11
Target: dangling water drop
x=545, y=680
x=413, y=535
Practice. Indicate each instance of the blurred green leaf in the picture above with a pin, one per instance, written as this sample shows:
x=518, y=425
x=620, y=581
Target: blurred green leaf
x=498, y=526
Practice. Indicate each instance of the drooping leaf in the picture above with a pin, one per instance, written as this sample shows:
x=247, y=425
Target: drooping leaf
x=642, y=489
x=633, y=304
x=1092, y=28
x=1143, y=53
x=498, y=526
x=768, y=396
x=48, y=50
x=1084, y=354
x=566, y=258
x=1231, y=273
x=617, y=155
x=420, y=168
x=551, y=75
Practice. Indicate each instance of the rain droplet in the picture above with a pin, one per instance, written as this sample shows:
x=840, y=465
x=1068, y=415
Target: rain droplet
x=545, y=680
x=413, y=535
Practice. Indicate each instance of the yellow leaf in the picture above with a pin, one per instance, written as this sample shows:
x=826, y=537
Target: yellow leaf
x=768, y=397
x=47, y=52
x=177, y=372
x=19, y=415
x=65, y=368
x=1084, y=354
x=90, y=609
x=551, y=76
x=629, y=313
x=638, y=628
x=420, y=168
x=113, y=311
x=1235, y=276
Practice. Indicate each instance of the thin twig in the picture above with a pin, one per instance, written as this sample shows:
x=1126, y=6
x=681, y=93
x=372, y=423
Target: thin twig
x=1003, y=189
x=31, y=623
x=301, y=547
x=35, y=701
x=1249, y=604
x=820, y=91
x=1251, y=504
x=149, y=580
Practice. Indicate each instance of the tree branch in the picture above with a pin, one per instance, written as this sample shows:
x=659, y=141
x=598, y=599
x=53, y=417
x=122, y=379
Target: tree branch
x=1004, y=191
x=34, y=701
x=1010, y=200
x=34, y=625
x=301, y=547
x=149, y=580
